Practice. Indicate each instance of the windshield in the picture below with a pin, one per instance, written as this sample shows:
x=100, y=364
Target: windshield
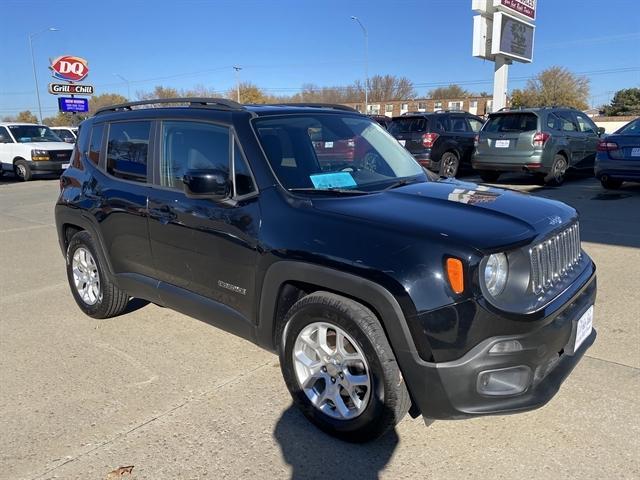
x=331, y=151
x=65, y=134
x=511, y=122
x=33, y=133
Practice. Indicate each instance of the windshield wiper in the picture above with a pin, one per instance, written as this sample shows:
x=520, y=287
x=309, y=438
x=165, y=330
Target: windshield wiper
x=400, y=183
x=337, y=191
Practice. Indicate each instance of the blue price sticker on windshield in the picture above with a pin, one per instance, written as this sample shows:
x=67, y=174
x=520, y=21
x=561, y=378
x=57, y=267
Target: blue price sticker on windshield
x=333, y=180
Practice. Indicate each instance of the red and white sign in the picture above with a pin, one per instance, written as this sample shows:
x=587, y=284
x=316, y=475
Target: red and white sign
x=69, y=68
x=526, y=8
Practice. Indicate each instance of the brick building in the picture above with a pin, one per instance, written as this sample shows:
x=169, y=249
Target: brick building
x=392, y=108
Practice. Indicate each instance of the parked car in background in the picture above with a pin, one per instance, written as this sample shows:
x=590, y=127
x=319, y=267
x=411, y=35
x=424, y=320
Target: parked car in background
x=67, y=134
x=26, y=148
x=440, y=141
x=382, y=291
x=381, y=119
x=544, y=141
x=618, y=157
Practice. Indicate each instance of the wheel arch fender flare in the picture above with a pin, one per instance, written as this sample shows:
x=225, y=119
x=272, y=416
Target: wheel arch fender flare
x=82, y=222
x=389, y=311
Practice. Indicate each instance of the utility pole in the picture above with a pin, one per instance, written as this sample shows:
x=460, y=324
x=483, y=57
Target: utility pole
x=128, y=85
x=237, y=69
x=33, y=63
x=366, y=64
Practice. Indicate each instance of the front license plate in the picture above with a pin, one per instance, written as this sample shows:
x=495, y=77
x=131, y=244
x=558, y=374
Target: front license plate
x=584, y=327
x=402, y=142
x=635, y=152
x=65, y=166
x=502, y=143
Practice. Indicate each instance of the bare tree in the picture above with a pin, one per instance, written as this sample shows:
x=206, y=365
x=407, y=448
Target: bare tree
x=452, y=91
x=554, y=86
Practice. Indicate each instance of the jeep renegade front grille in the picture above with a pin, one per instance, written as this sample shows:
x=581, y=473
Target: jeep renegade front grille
x=555, y=258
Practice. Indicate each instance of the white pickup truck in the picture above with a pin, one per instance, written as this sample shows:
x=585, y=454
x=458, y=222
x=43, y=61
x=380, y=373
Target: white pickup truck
x=26, y=148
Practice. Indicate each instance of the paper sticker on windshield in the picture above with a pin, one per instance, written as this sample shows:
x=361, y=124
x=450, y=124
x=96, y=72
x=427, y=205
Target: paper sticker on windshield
x=333, y=180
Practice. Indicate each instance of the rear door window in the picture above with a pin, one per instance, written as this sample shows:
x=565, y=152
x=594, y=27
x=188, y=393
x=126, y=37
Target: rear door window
x=585, y=124
x=512, y=123
x=567, y=123
x=459, y=125
x=127, y=150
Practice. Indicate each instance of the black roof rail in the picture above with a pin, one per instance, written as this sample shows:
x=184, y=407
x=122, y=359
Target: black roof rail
x=335, y=106
x=221, y=103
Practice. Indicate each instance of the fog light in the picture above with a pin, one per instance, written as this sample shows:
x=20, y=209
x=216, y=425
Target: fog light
x=505, y=381
x=506, y=346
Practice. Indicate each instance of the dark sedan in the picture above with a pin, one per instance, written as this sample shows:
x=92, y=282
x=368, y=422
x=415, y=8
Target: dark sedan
x=618, y=157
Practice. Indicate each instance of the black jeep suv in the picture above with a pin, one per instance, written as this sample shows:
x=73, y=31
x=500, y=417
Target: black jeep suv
x=440, y=141
x=382, y=290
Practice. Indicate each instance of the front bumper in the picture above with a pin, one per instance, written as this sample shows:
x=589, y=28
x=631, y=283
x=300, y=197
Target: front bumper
x=450, y=390
x=48, y=166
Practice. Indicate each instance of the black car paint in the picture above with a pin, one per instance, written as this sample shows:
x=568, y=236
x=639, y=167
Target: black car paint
x=385, y=249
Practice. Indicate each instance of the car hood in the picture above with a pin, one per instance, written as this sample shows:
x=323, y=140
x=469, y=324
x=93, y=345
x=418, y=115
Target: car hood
x=48, y=145
x=481, y=217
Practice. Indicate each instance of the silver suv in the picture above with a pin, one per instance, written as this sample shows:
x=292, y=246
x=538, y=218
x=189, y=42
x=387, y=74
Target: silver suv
x=545, y=141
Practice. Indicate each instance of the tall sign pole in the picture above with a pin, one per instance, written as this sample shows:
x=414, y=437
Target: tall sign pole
x=503, y=32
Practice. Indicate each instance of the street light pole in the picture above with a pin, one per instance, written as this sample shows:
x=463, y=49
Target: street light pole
x=237, y=69
x=366, y=63
x=128, y=85
x=33, y=63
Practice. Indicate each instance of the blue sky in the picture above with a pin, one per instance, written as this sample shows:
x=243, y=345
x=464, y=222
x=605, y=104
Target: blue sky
x=282, y=44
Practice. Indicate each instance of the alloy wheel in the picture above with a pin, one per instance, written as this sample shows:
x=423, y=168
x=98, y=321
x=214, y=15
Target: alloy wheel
x=332, y=370
x=86, y=277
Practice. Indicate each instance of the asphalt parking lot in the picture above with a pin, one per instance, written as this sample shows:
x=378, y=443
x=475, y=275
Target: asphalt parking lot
x=176, y=398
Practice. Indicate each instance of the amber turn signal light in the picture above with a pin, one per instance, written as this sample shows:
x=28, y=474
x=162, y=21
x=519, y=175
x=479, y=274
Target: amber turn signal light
x=455, y=274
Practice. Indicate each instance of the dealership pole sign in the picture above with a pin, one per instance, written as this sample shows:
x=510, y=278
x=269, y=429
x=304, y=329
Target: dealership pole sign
x=71, y=69
x=503, y=32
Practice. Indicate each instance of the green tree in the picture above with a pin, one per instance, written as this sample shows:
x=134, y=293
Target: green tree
x=452, y=91
x=625, y=102
x=553, y=86
x=104, y=100
x=26, y=117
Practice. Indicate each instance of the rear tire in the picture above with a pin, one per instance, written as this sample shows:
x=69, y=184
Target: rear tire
x=22, y=170
x=449, y=165
x=610, y=183
x=92, y=289
x=320, y=375
x=490, y=176
x=558, y=171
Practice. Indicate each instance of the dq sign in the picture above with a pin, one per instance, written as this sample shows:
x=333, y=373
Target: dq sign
x=71, y=69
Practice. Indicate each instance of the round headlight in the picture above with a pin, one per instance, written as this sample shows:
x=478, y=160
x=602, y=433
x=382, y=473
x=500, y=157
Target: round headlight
x=495, y=273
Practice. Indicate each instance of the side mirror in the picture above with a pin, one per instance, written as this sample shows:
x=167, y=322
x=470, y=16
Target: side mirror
x=211, y=184
x=601, y=131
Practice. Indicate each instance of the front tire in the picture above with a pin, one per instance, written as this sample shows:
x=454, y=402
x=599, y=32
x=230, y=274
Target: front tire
x=22, y=170
x=92, y=289
x=340, y=369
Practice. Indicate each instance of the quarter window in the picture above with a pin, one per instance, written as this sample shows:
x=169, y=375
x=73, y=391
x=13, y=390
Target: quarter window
x=192, y=146
x=127, y=150
x=96, y=143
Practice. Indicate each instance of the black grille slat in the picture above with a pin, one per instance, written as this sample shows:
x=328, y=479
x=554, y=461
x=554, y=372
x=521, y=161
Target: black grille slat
x=553, y=259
